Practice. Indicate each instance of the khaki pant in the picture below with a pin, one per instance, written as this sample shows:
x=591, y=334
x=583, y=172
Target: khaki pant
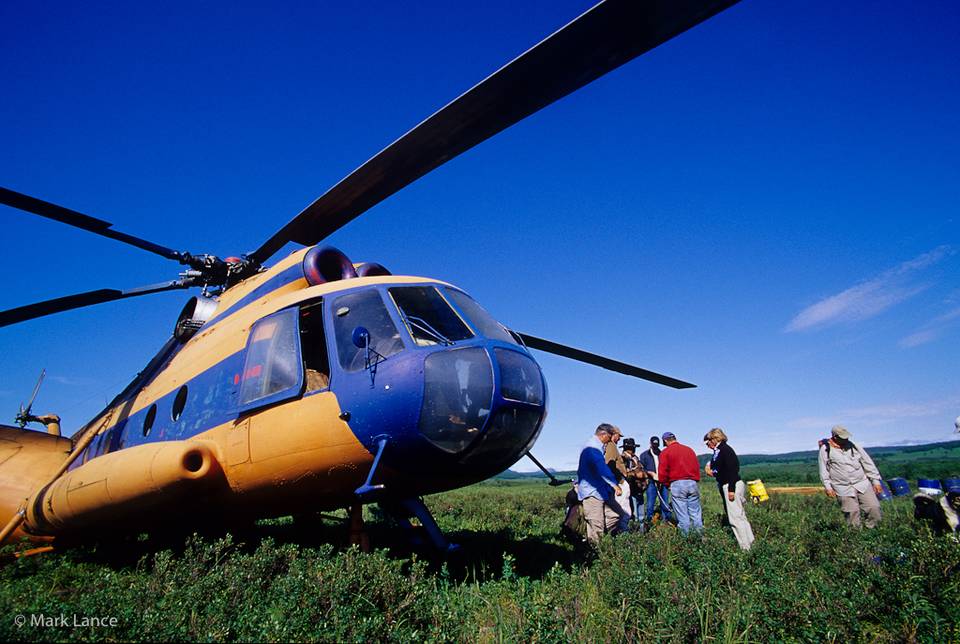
x=737, y=516
x=625, y=510
x=601, y=517
x=865, y=501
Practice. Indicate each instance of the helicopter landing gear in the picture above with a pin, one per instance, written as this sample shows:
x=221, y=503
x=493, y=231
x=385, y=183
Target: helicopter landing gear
x=404, y=509
x=358, y=531
x=367, y=490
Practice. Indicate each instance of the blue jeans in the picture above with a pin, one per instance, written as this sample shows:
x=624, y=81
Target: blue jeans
x=635, y=506
x=652, y=497
x=686, y=503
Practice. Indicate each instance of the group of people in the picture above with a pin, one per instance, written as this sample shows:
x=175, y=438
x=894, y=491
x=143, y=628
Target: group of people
x=616, y=488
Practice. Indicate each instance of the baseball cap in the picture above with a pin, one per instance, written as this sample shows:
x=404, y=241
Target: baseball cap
x=840, y=432
x=668, y=436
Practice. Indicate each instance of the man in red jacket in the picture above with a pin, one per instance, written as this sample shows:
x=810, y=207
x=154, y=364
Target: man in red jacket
x=680, y=469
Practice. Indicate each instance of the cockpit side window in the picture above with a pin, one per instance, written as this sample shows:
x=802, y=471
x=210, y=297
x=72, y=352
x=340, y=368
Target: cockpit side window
x=363, y=309
x=316, y=363
x=475, y=314
x=273, y=369
x=429, y=318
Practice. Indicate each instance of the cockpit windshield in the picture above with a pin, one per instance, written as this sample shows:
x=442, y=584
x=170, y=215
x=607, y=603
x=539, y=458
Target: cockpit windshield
x=481, y=320
x=429, y=318
x=366, y=309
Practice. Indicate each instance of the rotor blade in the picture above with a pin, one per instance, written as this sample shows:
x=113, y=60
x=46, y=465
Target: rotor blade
x=66, y=303
x=607, y=363
x=86, y=222
x=605, y=37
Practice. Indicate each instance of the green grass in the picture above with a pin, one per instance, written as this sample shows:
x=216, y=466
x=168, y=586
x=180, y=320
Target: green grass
x=808, y=578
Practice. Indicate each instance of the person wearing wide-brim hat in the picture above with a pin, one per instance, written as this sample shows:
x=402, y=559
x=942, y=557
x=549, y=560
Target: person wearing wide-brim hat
x=636, y=476
x=849, y=475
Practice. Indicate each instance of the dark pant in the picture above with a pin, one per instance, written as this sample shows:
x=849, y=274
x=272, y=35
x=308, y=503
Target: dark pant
x=658, y=491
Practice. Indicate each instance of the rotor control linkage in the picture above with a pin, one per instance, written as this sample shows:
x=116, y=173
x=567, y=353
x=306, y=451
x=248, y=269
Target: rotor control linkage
x=367, y=489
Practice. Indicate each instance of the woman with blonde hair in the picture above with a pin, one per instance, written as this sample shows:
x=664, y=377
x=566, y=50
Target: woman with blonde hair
x=725, y=467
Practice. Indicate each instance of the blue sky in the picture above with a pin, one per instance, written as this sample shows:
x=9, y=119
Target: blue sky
x=765, y=206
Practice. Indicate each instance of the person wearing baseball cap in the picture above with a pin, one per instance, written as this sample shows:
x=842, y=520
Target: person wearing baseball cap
x=680, y=470
x=597, y=489
x=849, y=475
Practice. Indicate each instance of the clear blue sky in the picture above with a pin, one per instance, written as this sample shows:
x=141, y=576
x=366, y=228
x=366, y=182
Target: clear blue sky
x=765, y=206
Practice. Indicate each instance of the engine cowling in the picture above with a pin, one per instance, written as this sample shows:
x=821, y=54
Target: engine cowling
x=195, y=313
x=372, y=269
x=327, y=264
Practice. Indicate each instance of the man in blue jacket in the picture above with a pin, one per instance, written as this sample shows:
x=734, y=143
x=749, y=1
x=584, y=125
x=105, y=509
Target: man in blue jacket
x=596, y=487
x=650, y=460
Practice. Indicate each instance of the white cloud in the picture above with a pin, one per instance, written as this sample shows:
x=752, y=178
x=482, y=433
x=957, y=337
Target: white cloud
x=869, y=298
x=932, y=330
x=877, y=415
x=72, y=381
x=906, y=443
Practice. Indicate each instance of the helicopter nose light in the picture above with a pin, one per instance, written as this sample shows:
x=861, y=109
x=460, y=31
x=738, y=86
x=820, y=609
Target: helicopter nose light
x=458, y=390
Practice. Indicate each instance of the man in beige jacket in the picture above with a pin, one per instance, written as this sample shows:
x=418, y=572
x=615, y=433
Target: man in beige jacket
x=849, y=474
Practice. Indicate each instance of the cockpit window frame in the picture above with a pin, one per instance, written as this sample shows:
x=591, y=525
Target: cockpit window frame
x=439, y=290
x=333, y=304
x=511, y=338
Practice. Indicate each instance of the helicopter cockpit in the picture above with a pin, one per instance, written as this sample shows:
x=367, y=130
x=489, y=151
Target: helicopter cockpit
x=467, y=386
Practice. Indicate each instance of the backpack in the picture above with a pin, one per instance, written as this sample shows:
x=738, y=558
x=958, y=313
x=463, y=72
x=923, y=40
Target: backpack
x=825, y=442
x=574, y=526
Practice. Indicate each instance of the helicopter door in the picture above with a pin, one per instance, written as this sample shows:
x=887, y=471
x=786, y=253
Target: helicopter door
x=313, y=345
x=371, y=379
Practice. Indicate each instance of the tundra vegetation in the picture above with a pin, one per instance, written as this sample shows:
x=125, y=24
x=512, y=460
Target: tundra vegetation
x=808, y=578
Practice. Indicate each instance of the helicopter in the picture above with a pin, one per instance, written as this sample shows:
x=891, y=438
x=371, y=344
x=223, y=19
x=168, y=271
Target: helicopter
x=319, y=382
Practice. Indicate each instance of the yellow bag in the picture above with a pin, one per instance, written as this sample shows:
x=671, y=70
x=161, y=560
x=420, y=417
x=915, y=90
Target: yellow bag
x=757, y=491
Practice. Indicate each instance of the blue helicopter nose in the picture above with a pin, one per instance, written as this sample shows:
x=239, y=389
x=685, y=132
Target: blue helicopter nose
x=482, y=406
x=467, y=412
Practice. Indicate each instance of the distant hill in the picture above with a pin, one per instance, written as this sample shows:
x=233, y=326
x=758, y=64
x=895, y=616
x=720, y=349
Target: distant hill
x=932, y=460
x=510, y=475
